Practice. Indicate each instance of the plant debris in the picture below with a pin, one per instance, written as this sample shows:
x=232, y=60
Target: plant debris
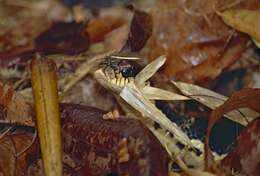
x=129, y=87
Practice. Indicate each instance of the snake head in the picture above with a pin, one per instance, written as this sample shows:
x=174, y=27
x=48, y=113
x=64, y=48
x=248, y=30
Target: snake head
x=116, y=73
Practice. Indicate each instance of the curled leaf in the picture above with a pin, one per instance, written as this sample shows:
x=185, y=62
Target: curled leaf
x=240, y=99
x=44, y=84
x=245, y=158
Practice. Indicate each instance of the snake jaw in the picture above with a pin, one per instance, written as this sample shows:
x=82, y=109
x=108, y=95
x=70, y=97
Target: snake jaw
x=116, y=83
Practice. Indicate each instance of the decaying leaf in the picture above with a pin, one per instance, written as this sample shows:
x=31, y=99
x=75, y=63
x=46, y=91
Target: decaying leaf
x=45, y=91
x=16, y=108
x=246, y=21
x=240, y=99
x=245, y=158
x=196, y=41
x=213, y=100
x=10, y=145
x=211, y=68
x=95, y=143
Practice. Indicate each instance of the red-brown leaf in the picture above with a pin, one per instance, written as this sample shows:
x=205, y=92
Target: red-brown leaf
x=245, y=158
x=68, y=38
x=140, y=31
x=15, y=108
x=11, y=165
x=94, y=146
x=244, y=98
x=99, y=27
x=196, y=41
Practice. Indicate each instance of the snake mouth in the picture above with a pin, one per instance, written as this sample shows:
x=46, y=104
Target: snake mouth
x=115, y=74
x=115, y=83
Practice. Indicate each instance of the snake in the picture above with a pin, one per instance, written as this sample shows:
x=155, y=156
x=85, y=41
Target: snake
x=115, y=74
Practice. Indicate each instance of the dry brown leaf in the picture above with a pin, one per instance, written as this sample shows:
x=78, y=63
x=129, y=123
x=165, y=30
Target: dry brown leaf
x=17, y=109
x=244, y=98
x=7, y=158
x=45, y=92
x=10, y=145
x=196, y=41
x=246, y=21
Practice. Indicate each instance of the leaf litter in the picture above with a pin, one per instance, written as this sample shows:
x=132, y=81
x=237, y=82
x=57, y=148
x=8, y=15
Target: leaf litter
x=192, y=61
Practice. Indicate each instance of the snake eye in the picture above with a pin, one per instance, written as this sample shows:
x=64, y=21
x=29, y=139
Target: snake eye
x=128, y=72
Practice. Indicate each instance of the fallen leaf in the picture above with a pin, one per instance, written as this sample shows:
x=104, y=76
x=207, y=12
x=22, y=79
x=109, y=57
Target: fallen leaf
x=245, y=158
x=140, y=31
x=17, y=109
x=99, y=27
x=211, y=68
x=246, y=21
x=153, y=93
x=197, y=43
x=10, y=145
x=213, y=100
x=94, y=143
x=244, y=98
x=148, y=71
x=61, y=37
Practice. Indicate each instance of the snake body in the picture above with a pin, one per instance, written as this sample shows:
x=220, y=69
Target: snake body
x=119, y=73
